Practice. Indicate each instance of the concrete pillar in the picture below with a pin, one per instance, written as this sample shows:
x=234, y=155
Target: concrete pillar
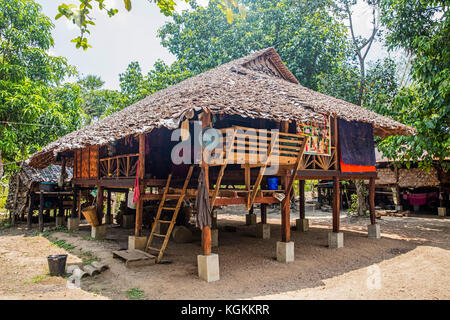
x=137, y=243
x=302, y=225
x=285, y=251
x=250, y=219
x=109, y=219
x=398, y=207
x=335, y=240
x=208, y=267
x=263, y=231
x=60, y=221
x=442, y=211
x=99, y=232
x=73, y=224
x=373, y=231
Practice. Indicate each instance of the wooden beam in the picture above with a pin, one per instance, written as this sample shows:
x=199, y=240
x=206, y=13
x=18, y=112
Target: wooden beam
x=100, y=197
x=372, y=201
x=243, y=200
x=301, y=193
x=108, y=205
x=336, y=205
x=74, y=212
x=30, y=211
x=140, y=177
x=41, y=212
x=206, y=231
x=263, y=213
x=285, y=212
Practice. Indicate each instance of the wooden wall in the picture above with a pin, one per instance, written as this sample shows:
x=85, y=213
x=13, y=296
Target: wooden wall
x=86, y=163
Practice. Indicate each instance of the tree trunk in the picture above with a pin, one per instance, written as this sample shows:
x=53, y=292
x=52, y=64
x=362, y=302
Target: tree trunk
x=360, y=191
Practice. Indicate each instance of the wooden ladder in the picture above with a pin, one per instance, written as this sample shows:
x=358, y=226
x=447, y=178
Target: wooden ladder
x=171, y=222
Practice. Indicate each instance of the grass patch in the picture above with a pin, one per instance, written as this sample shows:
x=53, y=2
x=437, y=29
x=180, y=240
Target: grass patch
x=38, y=279
x=5, y=223
x=88, y=238
x=86, y=262
x=135, y=294
x=63, y=244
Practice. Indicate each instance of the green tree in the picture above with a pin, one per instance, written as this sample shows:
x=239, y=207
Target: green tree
x=95, y=99
x=307, y=35
x=34, y=110
x=422, y=29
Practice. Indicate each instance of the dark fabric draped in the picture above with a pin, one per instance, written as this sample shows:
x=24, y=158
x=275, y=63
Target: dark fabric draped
x=202, y=204
x=356, y=143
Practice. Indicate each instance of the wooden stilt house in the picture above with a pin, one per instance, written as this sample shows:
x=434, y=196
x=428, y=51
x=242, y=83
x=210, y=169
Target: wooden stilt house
x=266, y=126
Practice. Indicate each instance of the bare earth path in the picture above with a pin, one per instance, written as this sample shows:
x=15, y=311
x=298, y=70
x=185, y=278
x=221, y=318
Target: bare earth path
x=411, y=261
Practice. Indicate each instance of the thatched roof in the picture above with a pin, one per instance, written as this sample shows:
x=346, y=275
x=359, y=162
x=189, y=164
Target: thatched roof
x=256, y=86
x=22, y=183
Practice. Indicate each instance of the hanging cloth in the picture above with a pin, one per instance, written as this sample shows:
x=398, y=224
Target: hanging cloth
x=202, y=204
x=136, y=193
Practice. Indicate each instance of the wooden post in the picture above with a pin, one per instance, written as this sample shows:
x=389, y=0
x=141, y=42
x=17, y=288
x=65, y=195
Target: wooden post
x=206, y=231
x=74, y=204
x=108, y=206
x=301, y=193
x=60, y=206
x=285, y=213
x=30, y=211
x=263, y=213
x=41, y=212
x=100, y=195
x=372, y=200
x=336, y=205
x=141, y=175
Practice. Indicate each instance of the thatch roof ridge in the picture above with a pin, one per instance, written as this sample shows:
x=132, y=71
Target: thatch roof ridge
x=231, y=89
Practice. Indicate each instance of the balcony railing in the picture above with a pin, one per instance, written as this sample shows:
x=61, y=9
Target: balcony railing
x=123, y=166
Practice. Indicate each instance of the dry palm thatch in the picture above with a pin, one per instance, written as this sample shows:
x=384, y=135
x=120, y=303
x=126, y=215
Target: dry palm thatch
x=256, y=86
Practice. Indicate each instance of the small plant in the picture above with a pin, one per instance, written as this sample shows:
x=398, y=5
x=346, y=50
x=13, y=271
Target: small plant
x=63, y=244
x=38, y=279
x=89, y=261
x=135, y=294
x=88, y=238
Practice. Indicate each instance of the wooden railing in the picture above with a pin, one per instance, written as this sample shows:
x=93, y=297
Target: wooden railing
x=251, y=146
x=123, y=166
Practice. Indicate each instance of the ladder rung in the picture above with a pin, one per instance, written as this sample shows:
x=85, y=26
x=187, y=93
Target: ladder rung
x=169, y=208
x=159, y=235
x=163, y=221
x=154, y=249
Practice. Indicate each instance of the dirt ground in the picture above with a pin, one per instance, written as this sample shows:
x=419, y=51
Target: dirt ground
x=411, y=261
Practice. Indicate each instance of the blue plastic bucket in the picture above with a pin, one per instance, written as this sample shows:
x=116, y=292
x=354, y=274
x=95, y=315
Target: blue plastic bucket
x=273, y=183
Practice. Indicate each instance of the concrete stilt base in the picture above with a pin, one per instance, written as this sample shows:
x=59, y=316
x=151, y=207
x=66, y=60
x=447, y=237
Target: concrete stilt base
x=109, y=219
x=60, y=222
x=302, y=225
x=442, y=211
x=128, y=221
x=335, y=240
x=137, y=243
x=208, y=267
x=373, y=231
x=285, y=251
x=250, y=219
x=214, y=238
x=72, y=224
x=98, y=232
x=398, y=207
x=263, y=231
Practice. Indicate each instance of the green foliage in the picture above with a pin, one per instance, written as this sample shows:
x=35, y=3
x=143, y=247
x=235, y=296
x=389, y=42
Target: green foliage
x=308, y=37
x=95, y=100
x=135, y=86
x=353, y=209
x=34, y=108
x=135, y=294
x=422, y=28
x=63, y=244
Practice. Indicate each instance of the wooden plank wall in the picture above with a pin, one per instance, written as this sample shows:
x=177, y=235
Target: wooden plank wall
x=87, y=163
